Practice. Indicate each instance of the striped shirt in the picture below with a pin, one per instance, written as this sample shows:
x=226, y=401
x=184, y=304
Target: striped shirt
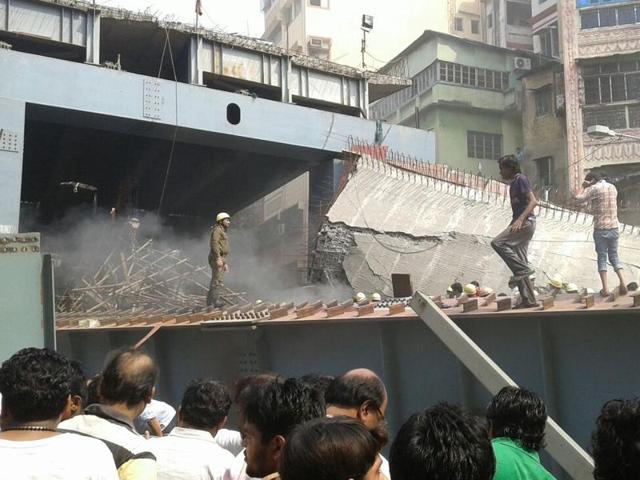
x=602, y=199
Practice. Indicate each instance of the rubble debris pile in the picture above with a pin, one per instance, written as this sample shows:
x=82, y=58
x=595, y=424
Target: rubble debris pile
x=142, y=279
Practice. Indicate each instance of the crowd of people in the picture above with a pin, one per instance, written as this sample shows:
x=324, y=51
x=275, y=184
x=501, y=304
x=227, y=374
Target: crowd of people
x=56, y=424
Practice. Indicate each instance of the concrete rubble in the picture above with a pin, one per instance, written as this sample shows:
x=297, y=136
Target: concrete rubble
x=391, y=220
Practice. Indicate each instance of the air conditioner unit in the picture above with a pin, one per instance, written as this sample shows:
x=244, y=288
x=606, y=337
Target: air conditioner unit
x=315, y=42
x=521, y=63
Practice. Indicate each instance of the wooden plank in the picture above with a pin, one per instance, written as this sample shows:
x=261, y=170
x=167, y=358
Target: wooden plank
x=335, y=310
x=332, y=304
x=302, y=305
x=589, y=301
x=489, y=299
x=504, y=303
x=365, y=310
x=470, y=305
x=278, y=313
x=547, y=303
x=636, y=300
x=396, y=308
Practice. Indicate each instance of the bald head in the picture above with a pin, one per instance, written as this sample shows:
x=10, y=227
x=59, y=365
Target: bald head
x=128, y=378
x=359, y=391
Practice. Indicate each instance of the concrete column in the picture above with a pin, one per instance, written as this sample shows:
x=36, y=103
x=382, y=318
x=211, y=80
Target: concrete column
x=93, y=37
x=12, y=117
x=285, y=77
x=195, y=69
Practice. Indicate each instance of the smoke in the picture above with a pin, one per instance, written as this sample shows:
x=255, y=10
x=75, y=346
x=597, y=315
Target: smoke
x=266, y=265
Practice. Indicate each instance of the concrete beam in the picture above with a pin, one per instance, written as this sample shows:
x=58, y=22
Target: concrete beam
x=46, y=81
x=564, y=450
x=11, y=150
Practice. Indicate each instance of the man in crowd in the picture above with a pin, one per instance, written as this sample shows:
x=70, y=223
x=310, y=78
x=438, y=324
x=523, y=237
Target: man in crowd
x=36, y=387
x=158, y=418
x=616, y=441
x=79, y=393
x=271, y=411
x=190, y=451
x=513, y=242
x=219, y=249
x=126, y=386
x=517, y=419
x=360, y=394
x=602, y=199
x=443, y=441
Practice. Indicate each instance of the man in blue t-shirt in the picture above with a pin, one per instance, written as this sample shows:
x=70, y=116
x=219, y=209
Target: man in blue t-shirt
x=513, y=242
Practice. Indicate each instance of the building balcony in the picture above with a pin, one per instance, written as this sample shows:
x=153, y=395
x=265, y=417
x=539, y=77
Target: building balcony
x=608, y=41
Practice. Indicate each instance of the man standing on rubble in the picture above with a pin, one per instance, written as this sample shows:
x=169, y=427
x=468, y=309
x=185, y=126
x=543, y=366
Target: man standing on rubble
x=217, y=258
x=602, y=199
x=513, y=242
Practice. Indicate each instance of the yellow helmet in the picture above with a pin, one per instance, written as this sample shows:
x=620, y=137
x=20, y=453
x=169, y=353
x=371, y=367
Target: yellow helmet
x=360, y=297
x=556, y=281
x=375, y=297
x=470, y=289
x=221, y=216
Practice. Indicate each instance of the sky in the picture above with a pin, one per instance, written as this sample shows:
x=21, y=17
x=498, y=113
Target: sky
x=232, y=16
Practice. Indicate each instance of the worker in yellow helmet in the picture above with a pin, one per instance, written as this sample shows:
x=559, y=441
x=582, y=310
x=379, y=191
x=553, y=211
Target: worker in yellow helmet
x=218, y=258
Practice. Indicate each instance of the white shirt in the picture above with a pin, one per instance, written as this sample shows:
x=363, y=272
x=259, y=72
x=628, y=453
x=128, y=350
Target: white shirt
x=155, y=409
x=384, y=467
x=239, y=467
x=229, y=440
x=187, y=453
x=66, y=457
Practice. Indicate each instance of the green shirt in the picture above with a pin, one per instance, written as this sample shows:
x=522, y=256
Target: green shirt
x=515, y=463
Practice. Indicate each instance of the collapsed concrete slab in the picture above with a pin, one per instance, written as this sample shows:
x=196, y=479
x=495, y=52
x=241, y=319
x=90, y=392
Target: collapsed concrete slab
x=390, y=220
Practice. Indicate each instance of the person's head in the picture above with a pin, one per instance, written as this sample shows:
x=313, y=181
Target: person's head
x=128, y=380
x=223, y=219
x=358, y=394
x=592, y=177
x=633, y=286
x=205, y=406
x=616, y=441
x=440, y=440
x=518, y=414
x=457, y=289
x=317, y=382
x=35, y=384
x=245, y=385
x=79, y=392
x=509, y=167
x=271, y=411
x=93, y=389
x=476, y=283
x=338, y=448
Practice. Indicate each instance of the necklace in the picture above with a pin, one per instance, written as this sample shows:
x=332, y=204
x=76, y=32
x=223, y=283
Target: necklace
x=31, y=428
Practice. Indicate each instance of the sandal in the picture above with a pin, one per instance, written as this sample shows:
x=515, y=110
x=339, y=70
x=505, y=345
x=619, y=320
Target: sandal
x=603, y=293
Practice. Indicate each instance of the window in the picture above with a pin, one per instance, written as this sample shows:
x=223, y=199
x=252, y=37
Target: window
x=458, y=24
x=611, y=117
x=589, y=19
x=545, y=169
x=543, y=101
x=472, y=76
x=608, y=17
x=489, y=21
x=626, y=15
x=475, y=26
x=611, y=82
x=484, y=145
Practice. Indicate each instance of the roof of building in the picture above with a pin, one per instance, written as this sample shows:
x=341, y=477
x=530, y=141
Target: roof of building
x=263, y=314
x=429, y=34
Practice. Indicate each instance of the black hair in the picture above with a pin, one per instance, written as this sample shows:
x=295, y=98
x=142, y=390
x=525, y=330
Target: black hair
x=35, y=384
x=277, y=407
x=352, y=390
x=443, y=441
x=243, y=386
x=457, y=287
x=616, y=441
x=509, y=161
x=518, y=414
x=318, y=382
x=205, y=404
x=79, y=383
x=633, y=286
x=593, y=177
x=338, y=448
x=128, y=377
x=93, y=389
x=476, y=283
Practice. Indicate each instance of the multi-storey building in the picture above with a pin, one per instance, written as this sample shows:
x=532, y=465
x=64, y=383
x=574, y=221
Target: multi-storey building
x=468, y=93
x=508, y=23
x=330, y=29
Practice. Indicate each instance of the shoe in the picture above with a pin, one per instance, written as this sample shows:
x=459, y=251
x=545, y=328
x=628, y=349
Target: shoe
x=523, y=305
x=622, y=290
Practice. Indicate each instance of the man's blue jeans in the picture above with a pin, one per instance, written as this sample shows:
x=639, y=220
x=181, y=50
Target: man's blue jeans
x=607, y=245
